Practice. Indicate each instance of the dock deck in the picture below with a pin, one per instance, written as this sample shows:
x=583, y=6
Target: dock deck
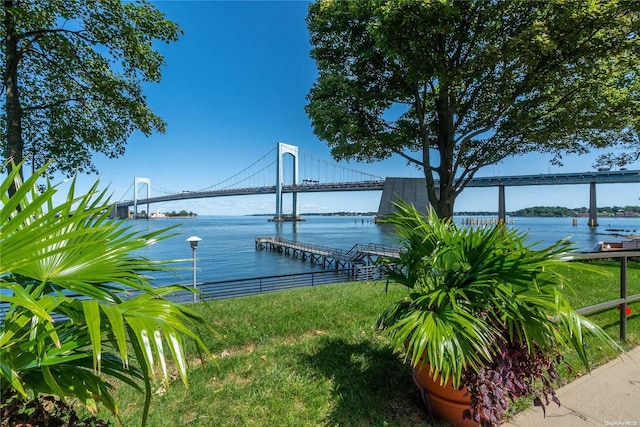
x=358, y=256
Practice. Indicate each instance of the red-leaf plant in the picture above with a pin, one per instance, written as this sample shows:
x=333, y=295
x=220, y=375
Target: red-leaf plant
x=514, y=372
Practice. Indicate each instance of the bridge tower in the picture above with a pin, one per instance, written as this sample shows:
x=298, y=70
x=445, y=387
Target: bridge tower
x=286, y=149
x=137, y=180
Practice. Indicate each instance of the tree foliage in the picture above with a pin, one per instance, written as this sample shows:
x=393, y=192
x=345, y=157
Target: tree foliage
x=629, y=153
x=72, y=78
x=453, y=86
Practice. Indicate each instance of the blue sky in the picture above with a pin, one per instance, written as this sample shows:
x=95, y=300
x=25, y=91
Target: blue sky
x=236, y=84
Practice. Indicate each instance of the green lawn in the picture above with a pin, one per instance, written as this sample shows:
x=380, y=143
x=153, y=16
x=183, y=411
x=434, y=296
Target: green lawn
x=311, y=357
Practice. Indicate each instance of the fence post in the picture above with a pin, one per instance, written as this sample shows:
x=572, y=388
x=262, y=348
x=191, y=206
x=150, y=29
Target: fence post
x=623, y=294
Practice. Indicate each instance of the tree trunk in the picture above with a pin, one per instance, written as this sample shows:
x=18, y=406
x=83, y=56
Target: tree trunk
x=14, y=144
x=444, y=206
x=443, y=198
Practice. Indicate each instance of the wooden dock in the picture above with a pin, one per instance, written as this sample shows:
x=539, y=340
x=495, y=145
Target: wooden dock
x=358, y=256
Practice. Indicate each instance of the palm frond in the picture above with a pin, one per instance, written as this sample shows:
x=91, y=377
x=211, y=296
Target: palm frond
x=79, y=298
x=470, y=285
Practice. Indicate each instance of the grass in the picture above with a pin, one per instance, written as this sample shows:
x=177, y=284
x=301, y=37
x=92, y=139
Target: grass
x=311, y=357
x=588, y=288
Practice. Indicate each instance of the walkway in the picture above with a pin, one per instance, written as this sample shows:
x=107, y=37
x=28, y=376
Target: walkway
x=358, y=255
x=609, y=396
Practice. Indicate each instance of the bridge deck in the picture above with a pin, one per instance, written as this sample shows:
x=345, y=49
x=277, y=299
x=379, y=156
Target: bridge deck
x=358, y=256
x=600, y=177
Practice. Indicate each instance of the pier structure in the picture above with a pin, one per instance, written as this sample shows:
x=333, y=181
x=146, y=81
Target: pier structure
x=358, y=256
x=473, y=221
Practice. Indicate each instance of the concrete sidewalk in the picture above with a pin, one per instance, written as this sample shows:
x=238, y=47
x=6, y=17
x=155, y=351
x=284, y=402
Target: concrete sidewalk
x=608, y=396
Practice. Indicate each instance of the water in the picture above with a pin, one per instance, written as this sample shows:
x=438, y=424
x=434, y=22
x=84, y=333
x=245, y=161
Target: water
x=227, y=250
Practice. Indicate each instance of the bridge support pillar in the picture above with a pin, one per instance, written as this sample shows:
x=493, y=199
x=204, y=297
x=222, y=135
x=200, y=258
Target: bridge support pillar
x=284, y=149
x=593, y=207
x=119, y=212
x=137, y=180
x=502, y=214
x=409, y=190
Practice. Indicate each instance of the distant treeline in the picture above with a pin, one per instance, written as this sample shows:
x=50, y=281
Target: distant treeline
x=476, y=213
x=537, y=211
x=328, y=214
x=343, y=214
x=559, y=211
x=181, y=213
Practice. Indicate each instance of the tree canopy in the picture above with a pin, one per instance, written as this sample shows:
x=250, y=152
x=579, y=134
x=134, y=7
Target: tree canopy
x=453, y=86
x=72, y=78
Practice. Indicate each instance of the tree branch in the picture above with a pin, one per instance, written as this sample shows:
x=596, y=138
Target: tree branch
x=55, y=104
x=37, y=34
x=463, y=180
x=58, y=66
x=407, y=157
x=469, y=136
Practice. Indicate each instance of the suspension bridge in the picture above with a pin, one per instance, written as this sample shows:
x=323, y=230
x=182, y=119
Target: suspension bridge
x=295, y=171
x=291, y=171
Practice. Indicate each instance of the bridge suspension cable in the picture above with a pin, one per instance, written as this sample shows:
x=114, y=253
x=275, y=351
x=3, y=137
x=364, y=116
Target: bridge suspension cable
x=262, y=173
x=328, y=171
x=128, y=191
x=255, y=174
x=157, y=188
x=227, y=180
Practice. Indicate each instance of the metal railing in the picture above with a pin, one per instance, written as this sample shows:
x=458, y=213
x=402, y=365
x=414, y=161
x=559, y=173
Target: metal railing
x=335, y=253
x=357, y=252
x=235, y=288
x=624, y=299
x=258, y=285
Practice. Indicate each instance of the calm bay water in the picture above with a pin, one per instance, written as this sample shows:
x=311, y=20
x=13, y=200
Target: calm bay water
x=227, y=250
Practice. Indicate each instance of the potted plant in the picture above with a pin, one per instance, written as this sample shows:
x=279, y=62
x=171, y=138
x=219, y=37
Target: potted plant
x=484, y=315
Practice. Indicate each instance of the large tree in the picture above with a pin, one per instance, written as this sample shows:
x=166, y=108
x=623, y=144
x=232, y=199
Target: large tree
x=72, y=78
x=453, y=86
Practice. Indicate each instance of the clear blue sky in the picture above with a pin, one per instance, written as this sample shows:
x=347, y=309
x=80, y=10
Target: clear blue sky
x=236, y=84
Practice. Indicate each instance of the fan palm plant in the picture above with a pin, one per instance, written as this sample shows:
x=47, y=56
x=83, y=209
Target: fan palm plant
x=77, y=305
x=480, y=299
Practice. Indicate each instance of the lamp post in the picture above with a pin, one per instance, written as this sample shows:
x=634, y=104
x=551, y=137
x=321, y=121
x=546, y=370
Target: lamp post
x=193, y=241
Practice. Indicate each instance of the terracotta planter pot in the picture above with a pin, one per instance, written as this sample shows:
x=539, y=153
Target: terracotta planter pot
x=443, y=401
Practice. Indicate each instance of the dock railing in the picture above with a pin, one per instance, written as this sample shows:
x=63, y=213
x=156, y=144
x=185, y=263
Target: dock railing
x=286, y=245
